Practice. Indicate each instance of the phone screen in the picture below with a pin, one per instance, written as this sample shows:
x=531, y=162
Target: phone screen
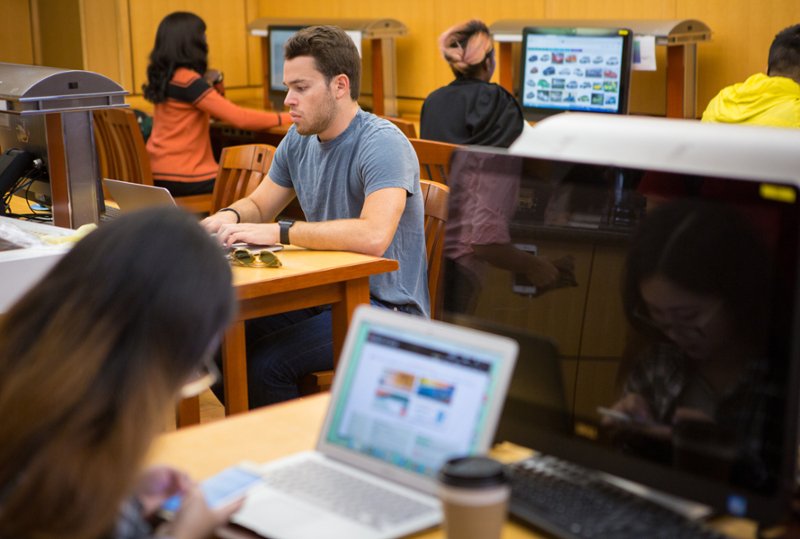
x=220, y=489
x=520, y=284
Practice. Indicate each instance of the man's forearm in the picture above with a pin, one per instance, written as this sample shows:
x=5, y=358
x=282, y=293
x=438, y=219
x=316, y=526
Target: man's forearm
x=356, y=235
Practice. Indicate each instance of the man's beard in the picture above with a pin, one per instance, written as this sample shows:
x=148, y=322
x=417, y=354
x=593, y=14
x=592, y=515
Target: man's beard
x=323, y=117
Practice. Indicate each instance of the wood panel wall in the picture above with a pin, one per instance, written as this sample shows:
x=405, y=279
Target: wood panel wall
x=231, y=50
x=16, y=40
x=119, y=34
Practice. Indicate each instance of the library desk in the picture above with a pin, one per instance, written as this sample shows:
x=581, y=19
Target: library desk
x=260, y=435
x=283, y=429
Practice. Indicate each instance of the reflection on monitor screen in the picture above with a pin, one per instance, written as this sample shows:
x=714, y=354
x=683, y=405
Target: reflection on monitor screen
x=574, y=69
x=670, y=299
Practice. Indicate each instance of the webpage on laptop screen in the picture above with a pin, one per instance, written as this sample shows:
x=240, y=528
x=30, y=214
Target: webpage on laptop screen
x=413, y=401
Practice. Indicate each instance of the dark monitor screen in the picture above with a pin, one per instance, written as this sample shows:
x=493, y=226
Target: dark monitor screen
x=574, y=69
x=671, y=301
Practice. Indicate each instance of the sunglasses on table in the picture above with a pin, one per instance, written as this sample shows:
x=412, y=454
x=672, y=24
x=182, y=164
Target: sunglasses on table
x=263, y=259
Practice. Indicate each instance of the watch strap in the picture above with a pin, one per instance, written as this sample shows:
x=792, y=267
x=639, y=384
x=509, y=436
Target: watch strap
x=285, y=225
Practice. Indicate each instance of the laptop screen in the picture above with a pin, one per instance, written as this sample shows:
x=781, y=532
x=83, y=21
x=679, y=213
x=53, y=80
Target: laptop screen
x=413, y=400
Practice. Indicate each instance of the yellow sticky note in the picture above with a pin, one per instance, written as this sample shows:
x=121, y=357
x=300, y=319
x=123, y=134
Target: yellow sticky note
x=623, y=32
x=779, y=193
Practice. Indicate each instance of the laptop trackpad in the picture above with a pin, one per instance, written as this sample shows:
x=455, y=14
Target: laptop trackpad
x=272, y=514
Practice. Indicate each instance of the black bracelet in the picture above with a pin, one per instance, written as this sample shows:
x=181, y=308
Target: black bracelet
x=238, y=217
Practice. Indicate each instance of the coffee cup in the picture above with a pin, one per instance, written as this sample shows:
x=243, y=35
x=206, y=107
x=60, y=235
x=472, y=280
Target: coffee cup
x=474, y=493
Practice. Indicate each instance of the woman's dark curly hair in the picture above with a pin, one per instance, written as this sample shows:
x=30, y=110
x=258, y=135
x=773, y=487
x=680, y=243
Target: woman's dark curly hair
x=180, y=42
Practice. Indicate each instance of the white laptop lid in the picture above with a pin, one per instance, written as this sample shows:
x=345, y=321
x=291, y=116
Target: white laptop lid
x=411, y=393
x=134, y=196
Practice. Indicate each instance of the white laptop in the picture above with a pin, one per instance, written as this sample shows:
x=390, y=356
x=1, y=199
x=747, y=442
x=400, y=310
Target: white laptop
x=134, y=196
x=409, y=394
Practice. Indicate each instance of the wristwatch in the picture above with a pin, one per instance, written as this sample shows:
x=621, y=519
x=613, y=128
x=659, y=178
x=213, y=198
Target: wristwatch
x=285, y=225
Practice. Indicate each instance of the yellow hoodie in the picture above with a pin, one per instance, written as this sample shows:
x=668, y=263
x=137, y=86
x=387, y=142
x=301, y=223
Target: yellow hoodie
x=760, y=100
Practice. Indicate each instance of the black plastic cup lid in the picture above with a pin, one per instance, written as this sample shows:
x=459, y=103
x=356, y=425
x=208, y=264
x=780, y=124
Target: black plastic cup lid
x=473, y=472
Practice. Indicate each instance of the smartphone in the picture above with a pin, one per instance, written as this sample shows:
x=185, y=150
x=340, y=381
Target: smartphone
x=219, y=490
x=520, y=284
x=625, y=418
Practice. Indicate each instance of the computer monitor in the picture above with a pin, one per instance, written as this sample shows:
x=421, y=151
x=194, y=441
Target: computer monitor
x=674, y=310
x=36, y=185
x=574, y=69
x=277, y=37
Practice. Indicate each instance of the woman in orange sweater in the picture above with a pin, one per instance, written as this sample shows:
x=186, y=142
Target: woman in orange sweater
x=179, y=145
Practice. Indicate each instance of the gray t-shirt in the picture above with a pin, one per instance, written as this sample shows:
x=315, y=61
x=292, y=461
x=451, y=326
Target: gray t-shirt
x=333, y=178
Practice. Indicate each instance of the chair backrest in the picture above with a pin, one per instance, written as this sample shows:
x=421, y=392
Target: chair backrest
x=408, y=128
x=435, y=196
x=130, y=159
x=434, y=159
x=241, y=169
x=105, y=146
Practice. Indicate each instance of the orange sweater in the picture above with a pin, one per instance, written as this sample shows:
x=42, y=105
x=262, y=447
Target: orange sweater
x=180, y=145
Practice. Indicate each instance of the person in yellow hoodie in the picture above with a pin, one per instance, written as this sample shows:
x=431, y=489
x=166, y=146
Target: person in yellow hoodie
x=772, y=99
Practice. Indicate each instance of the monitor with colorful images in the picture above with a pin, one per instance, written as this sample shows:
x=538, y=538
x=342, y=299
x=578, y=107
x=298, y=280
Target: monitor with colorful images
x=574, y=69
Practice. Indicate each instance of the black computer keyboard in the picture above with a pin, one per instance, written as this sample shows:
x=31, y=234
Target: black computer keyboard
x=568, y=501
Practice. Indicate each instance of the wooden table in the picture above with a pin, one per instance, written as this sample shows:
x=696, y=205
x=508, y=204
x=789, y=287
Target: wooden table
x=261, y=435
x=306, y=279
x=282, y=429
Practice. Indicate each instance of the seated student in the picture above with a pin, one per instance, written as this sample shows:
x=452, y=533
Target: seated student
x=356, y=177
x=180, y=145
x=470, y=110
x=772, y=99
x=708, y=373
x=91, y=361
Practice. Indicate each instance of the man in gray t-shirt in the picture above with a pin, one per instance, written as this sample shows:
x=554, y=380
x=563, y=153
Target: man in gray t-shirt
x=356, y=177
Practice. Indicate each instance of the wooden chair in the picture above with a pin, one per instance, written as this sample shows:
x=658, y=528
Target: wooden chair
x=105, y=145
x=435, y=197
x=408, y=128
x=241, y=169
x=132, y=164
x=128, y=159
x=434, y=159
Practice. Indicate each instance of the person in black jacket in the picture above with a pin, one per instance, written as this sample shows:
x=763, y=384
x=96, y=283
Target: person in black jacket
x=471, y=110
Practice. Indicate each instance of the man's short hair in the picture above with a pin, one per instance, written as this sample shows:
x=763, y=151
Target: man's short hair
x=784, y=53
x=332, y=50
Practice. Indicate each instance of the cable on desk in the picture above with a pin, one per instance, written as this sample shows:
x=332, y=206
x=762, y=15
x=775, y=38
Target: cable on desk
x=24, y=182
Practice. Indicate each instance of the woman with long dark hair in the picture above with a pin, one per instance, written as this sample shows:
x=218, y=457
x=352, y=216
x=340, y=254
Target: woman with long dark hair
x=91, y=361
x=470, y=110
x=179, y=145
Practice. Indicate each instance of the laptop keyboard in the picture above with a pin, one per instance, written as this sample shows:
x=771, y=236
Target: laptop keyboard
x=345, y=495
x=111, y=214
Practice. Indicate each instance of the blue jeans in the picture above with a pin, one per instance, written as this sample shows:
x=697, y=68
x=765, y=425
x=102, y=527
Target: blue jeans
x=283, y=347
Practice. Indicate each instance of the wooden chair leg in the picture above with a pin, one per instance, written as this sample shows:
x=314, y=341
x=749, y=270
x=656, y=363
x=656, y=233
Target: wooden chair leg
x=188, y=412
